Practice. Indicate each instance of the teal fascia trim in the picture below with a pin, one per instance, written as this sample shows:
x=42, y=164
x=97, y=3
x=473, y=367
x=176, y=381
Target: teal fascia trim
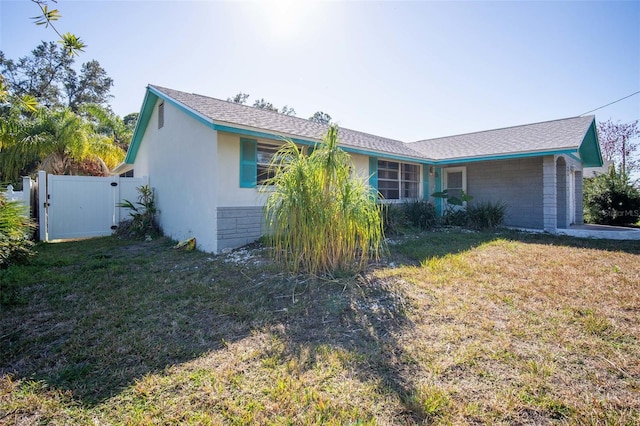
x=261, y=135
x=191, y=113
x=438, y=185
x=590, y=148
x=141, y=126
x=311, y=142
x=150, y=100
x=506, y=156
x=575, y=157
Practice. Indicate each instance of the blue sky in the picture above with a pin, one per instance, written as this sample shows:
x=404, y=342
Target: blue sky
x=405, y=70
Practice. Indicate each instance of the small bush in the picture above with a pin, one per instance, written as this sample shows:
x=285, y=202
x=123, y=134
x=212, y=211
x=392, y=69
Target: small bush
x=394, y=219
x=16, y=230
x=455, y=217
x=16, y=247
x=486, y=215
x=609, y=199
x=143, y=213
x=420, y=214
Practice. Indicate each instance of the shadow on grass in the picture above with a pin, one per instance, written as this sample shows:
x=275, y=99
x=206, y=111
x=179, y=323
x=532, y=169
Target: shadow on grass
x=102, y=314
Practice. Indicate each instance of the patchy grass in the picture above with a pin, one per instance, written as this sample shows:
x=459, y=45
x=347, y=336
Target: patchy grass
x=456, y=328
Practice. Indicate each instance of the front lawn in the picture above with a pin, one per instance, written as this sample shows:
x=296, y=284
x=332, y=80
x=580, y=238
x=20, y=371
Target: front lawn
x=454, y=328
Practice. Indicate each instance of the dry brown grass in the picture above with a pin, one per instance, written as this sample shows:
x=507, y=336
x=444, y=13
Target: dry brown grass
x=460, y=328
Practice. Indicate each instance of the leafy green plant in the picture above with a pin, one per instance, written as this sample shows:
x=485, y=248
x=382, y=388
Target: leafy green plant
x=143, y=213
x=394, y=219
x=16, y=246
x=16, y=229
x=421, y=214
x=321, y=218
x=455, y=208
x=486, y=215
x=610, y=199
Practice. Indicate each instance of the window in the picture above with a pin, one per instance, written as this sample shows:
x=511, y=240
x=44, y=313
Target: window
x=161, y=115
x=254, y=162
x=398, y=181
x=264, y=155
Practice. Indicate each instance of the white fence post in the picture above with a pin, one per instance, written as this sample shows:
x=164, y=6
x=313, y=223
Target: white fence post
x=42, y=204
x=27, y=195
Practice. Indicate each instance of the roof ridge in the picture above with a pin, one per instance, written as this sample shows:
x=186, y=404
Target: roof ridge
x=501, y=128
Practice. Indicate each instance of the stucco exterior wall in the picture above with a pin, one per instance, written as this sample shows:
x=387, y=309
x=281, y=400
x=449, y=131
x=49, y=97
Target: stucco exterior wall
x=518, y=183
x=180, y=160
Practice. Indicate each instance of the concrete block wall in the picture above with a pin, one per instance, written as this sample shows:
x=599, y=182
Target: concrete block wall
x=238, y=226
x=579, y=198
x=517, y=183
x=549, y=198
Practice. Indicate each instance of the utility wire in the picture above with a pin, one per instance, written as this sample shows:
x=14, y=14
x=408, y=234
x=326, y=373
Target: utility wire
x=610, y=103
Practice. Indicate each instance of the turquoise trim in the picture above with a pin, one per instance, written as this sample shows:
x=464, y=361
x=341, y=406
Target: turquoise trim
x=507, y=156
x=575, y=157
x=438, y=188
x=191, y=113
x=146, y=111
x=248, y=163
x=590, y=152
x=373, y=174
x=311, y=142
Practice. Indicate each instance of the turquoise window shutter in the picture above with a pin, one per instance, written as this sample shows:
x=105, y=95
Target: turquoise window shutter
x=426, y=193
x=248, y=163
x=373, y=174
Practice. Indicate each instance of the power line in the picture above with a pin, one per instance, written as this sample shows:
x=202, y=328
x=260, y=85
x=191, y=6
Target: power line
x=611, y=103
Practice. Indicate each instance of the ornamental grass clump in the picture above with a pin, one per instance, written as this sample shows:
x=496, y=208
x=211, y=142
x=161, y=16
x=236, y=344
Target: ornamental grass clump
x=321, y=217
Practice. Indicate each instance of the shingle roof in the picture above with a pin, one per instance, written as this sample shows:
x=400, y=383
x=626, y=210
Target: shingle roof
x=547, y=136
x=224, y=112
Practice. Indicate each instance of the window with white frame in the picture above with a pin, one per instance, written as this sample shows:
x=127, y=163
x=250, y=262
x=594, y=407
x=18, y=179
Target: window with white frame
x=398, y=181
x=265, y=153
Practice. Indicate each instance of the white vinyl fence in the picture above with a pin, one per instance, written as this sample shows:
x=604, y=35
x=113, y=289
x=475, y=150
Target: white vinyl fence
x=25, y=196
x=83, y=206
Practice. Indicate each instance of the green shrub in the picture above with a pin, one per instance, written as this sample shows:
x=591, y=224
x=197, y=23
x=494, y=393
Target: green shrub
x=16, y=232
x=16, y=247
x=486, y=215
x=394, y=219
x=320, y=218
x=609, y=199
x=143, y=213
x=420, y=214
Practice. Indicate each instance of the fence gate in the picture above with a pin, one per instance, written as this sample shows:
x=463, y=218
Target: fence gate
x=83, y=206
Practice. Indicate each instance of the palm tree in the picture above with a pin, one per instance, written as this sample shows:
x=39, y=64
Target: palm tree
x=60, y=140
x=107, y=123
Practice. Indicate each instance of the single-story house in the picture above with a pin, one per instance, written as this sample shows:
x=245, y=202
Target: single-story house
x=206, y=159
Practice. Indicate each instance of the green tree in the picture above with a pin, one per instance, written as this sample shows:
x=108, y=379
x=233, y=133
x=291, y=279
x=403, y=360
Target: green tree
x=48, y=76
x=610, y=199
x=59, y=141
x=321, y=218
x=320, y=117
x=106, y=122
x=240, y=98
